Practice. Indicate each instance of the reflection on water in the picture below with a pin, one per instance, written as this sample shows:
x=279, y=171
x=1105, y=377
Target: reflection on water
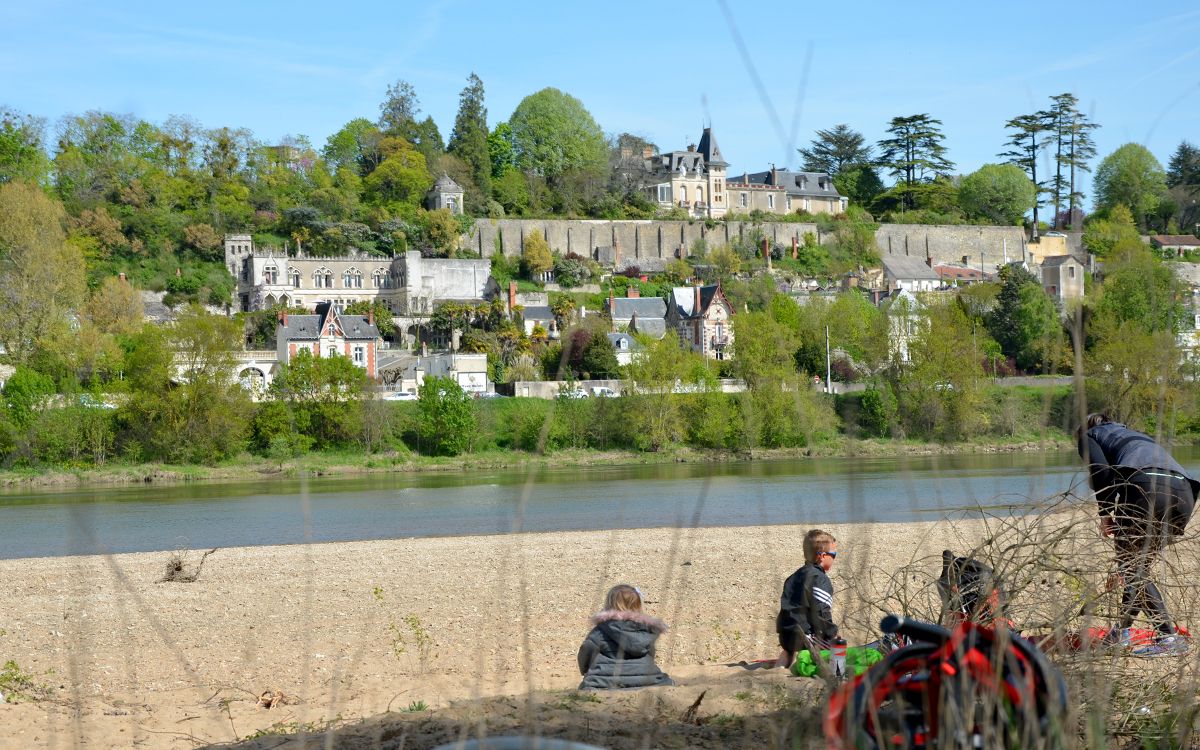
x=381, y=506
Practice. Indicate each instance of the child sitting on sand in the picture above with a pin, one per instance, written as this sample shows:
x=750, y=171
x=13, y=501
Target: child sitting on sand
x=806, y=606
x=619, y=652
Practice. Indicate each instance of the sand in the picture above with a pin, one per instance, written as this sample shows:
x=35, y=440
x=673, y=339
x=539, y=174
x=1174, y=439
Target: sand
x=449, y=635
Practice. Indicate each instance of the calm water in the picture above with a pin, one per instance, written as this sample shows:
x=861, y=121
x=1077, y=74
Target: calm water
x=141, y=518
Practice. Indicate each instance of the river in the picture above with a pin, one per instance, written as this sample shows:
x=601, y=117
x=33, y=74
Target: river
x=143, y=518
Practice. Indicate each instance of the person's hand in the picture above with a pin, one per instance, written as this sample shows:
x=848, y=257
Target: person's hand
x=1107, y=527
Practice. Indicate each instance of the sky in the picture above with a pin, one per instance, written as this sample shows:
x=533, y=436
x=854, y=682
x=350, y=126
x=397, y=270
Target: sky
x=764, y=75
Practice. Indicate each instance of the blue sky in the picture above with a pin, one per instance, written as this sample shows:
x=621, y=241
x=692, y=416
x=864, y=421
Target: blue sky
x=659, y=70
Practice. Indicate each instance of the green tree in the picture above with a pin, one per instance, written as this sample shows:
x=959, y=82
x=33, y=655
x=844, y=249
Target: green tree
x=22, y=153
x=999, y=193
x=860, y=183
x=652, y=375
x=1026, y=142
x=325, y=395
x=939, y=392
x=184, y=405
x=1112, y=234
x=1134, y=374
x=26, y=392
x=1073, y=149
x=399, y=108
x=553, y=133
x=1184, y=166
x=469, y=139
x=1140, y=289
x=536, y=259
x=1130, y=176
x=446, y=417
x=1024, y=320
x=402, y=178
x=834, y=150
x=915, y=152
x=41, y=274
x=501, y=153
x=355, y=146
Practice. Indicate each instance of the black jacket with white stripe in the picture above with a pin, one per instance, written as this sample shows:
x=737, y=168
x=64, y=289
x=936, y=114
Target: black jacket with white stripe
x=807, y=604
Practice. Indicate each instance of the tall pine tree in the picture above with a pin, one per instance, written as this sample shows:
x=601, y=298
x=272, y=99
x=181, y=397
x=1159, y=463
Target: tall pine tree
x=1073, y=148
x=469, y=139
x=834, y=150
x=915, y=152
x=1026, y=142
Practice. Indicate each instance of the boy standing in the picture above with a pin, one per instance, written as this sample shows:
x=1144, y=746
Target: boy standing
x=807, y=602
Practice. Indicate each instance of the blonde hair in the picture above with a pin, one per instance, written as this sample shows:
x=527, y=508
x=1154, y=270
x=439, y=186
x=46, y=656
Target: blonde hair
x=623, y=598
x=816, y=542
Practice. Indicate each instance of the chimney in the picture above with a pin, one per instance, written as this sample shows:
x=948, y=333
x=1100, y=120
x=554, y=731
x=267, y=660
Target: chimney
x=691, y=148
x=795, y=250
x=633, y=293
x=512, y=296
x=647, y=152
x=371, y=316
x=696, y=300
x=774, y=175
x=283, y=317
x=121, y=276
x=612, y=303
x=616, y=253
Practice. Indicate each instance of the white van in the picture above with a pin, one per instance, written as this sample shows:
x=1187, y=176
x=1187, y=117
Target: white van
x=603, y=391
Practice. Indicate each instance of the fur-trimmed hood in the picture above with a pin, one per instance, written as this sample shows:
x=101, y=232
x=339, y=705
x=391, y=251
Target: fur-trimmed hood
x=652, y=624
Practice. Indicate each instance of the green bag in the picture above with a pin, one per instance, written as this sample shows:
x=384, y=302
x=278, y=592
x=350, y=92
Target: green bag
x=858, y=660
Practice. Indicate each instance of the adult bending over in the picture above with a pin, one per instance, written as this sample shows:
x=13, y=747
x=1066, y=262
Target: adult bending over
x=1145, y=500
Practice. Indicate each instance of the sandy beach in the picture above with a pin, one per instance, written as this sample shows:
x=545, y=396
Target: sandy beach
x=452, y=636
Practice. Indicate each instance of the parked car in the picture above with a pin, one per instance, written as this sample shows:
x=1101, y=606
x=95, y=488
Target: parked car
x=90, y=401
x=400, y=396
x=489, y=394
x=573, y=393
x=602, y=391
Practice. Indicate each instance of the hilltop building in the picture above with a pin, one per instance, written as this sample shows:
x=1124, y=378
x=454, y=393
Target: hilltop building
x=703, y=318
x=693, y=180
x=779, y=191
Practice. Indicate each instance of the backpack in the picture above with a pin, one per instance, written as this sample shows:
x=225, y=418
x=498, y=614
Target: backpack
x=970, y=590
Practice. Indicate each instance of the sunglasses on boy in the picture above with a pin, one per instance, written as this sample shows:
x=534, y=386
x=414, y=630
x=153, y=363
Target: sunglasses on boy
x=832, y=554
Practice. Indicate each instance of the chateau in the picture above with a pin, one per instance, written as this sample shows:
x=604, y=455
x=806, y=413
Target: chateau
x=409, y=284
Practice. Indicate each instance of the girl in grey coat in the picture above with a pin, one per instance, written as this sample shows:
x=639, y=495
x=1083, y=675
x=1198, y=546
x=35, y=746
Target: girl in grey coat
x=619, y=652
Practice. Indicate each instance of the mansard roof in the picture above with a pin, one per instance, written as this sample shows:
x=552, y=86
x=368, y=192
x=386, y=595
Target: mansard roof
x=803, y=184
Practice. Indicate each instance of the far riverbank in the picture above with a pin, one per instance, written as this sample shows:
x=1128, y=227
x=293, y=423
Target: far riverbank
x=349, y=463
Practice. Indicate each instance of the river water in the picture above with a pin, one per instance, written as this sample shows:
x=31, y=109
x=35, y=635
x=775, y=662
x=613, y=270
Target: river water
x=142, y=518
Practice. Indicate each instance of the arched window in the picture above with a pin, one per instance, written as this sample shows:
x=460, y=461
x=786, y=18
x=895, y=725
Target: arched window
x=352, y=278
x=323, y=278
x=683, y=193
x=271, y=274
x=379, y=278
x=699, y=195
x=294, y=277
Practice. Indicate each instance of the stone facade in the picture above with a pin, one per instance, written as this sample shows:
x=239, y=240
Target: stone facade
x=447, y=194
x=650, y=244
x=779, y=191
x=1062, y=277
x=408, y=284
x=693, y=180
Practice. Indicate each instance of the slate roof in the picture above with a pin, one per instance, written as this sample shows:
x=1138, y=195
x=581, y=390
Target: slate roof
x=804, y=184
x=538, y=312
x=683, y=298
x=656, y=327
x=445, y=184
x=309, y=327
x=1053, y=261
x=631, y=343
x=711, y=151
x=907, y=267
x=625, y=308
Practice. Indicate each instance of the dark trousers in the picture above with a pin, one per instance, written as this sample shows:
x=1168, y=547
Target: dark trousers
x=1152, y=512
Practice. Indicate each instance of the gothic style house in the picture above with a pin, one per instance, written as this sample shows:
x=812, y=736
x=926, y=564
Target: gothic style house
x=329, y=333
x=703, y=319
x=693, y=180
